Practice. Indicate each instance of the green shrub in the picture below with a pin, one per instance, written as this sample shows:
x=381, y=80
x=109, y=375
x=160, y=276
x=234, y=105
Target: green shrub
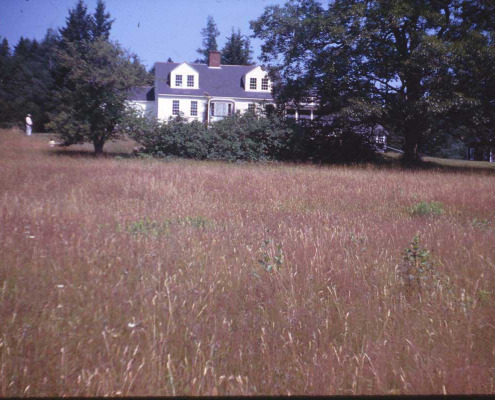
x=427, y=208
x=249, y=137
x=418, y=268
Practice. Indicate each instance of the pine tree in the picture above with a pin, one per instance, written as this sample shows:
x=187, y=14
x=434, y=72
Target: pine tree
x=210, y=34
x=237, y=50
x=101, y=22
x=5, y=83
x=79, y=24
x=5, y=48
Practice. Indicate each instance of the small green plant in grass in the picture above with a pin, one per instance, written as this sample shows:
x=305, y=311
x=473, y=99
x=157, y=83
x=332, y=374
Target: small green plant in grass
x=484, y=296
x=268, y=260
x=418, y=267
x=197, y=222
x=427, y=208
x=480, y=223
x=147, y=226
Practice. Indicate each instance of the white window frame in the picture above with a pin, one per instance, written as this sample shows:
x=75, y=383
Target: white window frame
x=264, y=84
x=230, y=108
x=190, y=81
x=175, y=107
x=178, y=80
x=252, y=107
x=194, y=108
x=253, y=83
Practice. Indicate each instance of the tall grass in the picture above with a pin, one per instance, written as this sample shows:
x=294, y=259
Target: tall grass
x=142, y=277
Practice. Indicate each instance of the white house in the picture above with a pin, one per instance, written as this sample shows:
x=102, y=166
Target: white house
x=202, y=92
x=210, y=92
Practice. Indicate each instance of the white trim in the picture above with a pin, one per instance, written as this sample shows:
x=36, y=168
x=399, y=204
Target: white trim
x=204, y=97
x=185, y=62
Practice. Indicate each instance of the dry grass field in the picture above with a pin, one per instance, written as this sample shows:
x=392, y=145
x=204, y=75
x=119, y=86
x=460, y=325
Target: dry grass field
x=141, y=277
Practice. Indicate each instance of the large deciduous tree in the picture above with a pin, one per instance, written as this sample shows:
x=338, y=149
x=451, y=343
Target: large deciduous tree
x=475, y=76
x=237, y=50
x=93, y=97
x=93, y=79
x=389, y=62
x=210, y=34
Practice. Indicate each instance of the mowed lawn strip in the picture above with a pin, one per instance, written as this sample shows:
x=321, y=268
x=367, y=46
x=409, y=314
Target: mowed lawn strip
x=124, y=276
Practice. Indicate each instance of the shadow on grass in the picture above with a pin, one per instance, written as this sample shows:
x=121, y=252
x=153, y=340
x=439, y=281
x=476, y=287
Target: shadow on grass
x=383, y=162
x=65, y=152
x=438, y=165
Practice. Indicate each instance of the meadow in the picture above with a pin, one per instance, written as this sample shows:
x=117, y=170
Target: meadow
x=126, y=276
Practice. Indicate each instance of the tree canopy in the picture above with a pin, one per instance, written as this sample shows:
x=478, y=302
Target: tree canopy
x=94, y=78
x=396, y=63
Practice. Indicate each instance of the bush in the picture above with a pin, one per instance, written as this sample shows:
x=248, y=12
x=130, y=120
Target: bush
x=249, y=137
x=239, y=137
x=427, y=208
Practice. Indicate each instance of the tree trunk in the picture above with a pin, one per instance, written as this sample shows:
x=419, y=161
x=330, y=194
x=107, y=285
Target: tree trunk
x=411, y=154
x=98, y=143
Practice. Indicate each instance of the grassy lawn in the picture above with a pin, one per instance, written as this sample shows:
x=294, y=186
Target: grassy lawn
x=121, y=276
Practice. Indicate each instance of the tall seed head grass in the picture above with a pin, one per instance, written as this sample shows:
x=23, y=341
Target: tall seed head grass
x=137, y=277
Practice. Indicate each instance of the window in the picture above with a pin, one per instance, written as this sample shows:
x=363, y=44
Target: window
x=190, y=80
x=252, y=83
x=221, y=109
x=194, y=108
x=175, y=107
x=251, y=107
x=178, y=80
x=264, y=84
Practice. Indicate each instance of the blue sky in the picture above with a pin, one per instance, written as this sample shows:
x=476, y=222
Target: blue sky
x=153, y=29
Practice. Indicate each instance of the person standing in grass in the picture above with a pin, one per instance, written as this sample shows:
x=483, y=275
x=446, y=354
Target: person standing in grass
x=29, y=125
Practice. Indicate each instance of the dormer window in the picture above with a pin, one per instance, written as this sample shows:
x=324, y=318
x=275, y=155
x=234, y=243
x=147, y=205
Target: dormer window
x=190, y=80
x=178, y=80
x=252, y=83
x=264, y=84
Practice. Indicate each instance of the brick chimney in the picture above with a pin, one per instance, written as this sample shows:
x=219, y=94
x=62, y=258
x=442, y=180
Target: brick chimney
x=214, y=59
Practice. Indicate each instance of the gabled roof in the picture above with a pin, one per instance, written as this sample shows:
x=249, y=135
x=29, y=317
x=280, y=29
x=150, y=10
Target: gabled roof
x=222, y=82
x=142, y=93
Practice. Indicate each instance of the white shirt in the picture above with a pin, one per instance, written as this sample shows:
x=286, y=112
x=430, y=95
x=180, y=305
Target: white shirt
x=29, y=121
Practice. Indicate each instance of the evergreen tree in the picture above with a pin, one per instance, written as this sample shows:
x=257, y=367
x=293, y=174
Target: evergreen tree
x=101, y=22
x=210, y=34
x=5, y=48
x=79, y=24
x=5, y=83
x=237, y=50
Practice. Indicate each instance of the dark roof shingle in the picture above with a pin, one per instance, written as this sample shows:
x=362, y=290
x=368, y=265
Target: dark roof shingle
x=142, y=93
